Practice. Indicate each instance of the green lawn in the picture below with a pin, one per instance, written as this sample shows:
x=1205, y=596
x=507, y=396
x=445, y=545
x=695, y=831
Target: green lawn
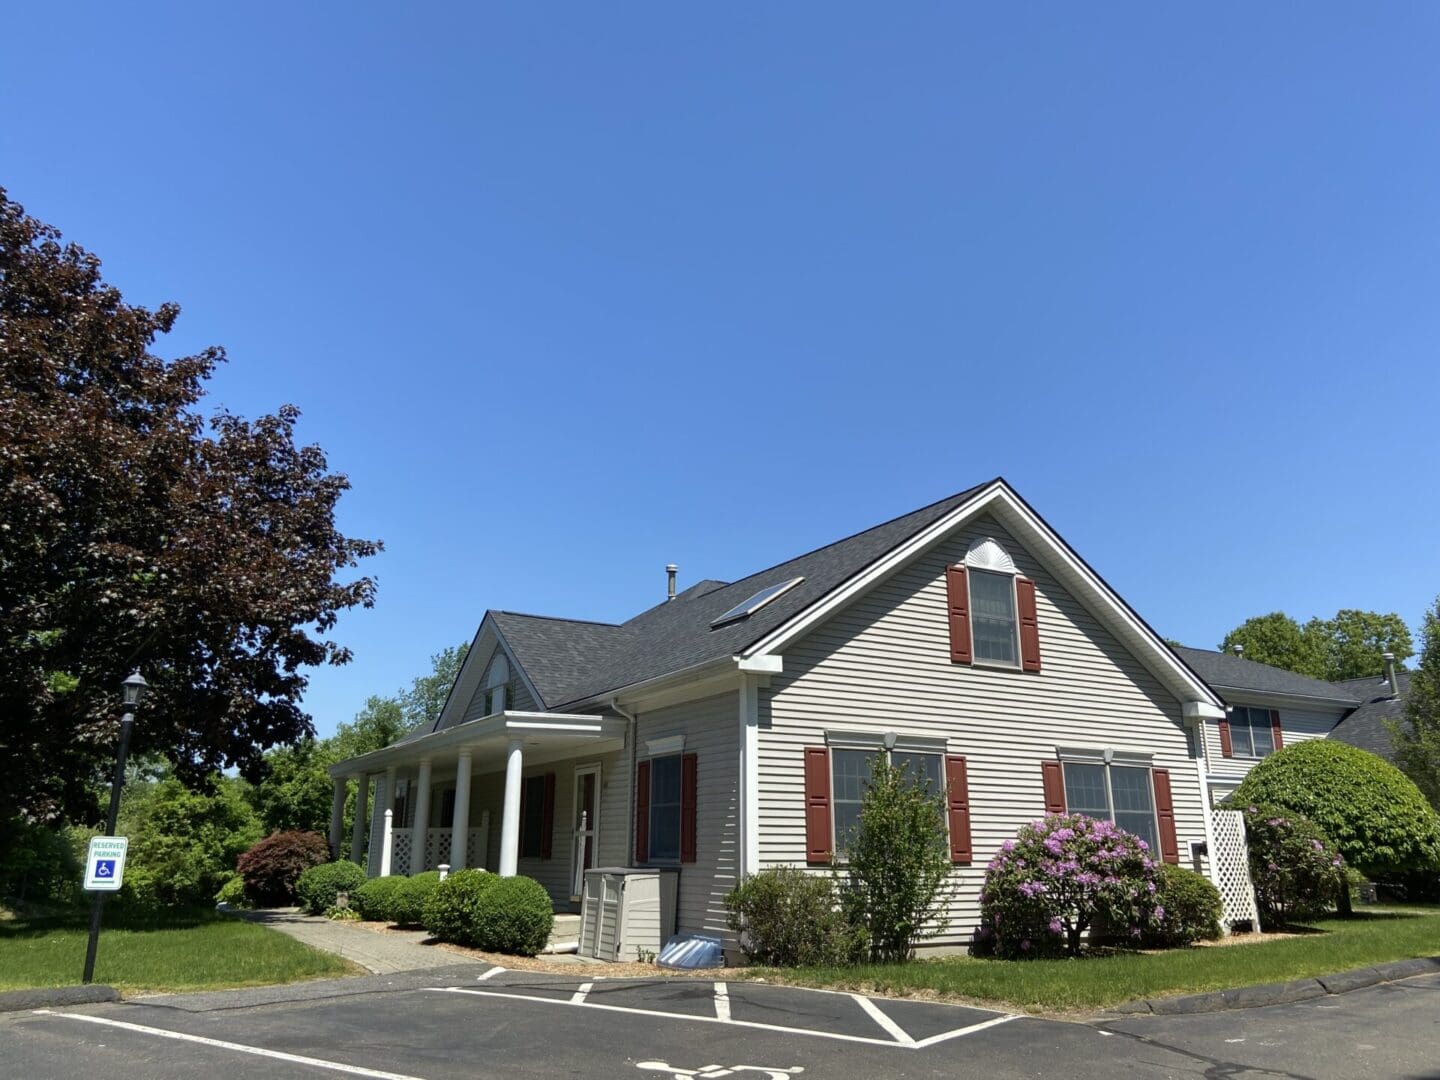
x=1094, y=982
x=180, y=950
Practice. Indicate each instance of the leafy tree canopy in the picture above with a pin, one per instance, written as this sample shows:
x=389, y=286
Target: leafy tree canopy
x=134, y=533
x=1417, y=737
x=1349, y=646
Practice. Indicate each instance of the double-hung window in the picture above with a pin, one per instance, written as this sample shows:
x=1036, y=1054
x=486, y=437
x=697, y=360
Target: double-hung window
x=532, y=816
x=1250, y=732
x=665, y=789
x=850, y=775
x=992, y=617
x=1123, y=794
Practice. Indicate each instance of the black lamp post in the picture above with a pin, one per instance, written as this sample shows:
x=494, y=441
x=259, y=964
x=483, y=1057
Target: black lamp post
x=134, y=690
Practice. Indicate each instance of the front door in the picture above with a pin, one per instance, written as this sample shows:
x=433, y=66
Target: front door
x=586, y=825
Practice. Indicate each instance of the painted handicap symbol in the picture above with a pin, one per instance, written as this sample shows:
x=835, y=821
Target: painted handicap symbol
x=104, y=868
x=715, y=1072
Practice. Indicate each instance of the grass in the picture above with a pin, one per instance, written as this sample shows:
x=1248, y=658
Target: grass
x=1334, y=945
x=155, y=951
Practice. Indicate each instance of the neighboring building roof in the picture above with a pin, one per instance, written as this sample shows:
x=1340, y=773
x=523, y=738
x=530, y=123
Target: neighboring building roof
x=1224, y=671
x=569, y=661
x=1366, y=727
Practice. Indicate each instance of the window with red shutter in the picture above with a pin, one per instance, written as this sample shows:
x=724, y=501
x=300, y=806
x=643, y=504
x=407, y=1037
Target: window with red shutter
x=1275, y=732
x=1029, y=624
x=1054, y=781
x=1227, y=749
x=642, y=813
x=689, y=775
x=819, y=843
x=957, y=596
x=957, y=802
x=1165, y=815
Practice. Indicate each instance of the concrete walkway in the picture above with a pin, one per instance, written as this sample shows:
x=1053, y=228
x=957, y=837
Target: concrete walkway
x=382, y=954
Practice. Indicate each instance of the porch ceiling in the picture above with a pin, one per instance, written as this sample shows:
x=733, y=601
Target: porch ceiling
x=543, y=736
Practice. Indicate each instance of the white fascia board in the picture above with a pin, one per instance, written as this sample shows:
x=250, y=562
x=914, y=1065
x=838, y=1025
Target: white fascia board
x=1035, y=534
x=1243, y=695
x=769, y=664
x=1196, y=711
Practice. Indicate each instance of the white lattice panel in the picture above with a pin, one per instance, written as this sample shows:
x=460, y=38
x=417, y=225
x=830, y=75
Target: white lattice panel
x=400, y=851
x=437, y=847
x=1230, y=870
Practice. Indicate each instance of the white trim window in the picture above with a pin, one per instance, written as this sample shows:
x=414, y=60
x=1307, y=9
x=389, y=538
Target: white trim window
x=497, y=685
x=666, y=782
x=1251, y=735
x=850, y=775
x=994, y=627
x=1124, y=794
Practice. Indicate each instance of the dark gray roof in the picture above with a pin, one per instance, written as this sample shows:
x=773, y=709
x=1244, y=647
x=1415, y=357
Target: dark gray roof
x=569, y=661
x=1365, y=727
x=1226, y=672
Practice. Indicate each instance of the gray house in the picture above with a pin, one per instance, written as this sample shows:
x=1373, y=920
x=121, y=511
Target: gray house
x=728, y=728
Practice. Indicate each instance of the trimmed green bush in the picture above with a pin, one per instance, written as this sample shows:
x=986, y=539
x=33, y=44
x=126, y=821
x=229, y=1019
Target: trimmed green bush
x=317, y=888
x=1187, y=908
x=273, y=866
x=376, y=899
x=232, y=892
x=516, y=916
x=452, y=910
x=408, y=902
x=788, y=918
x=1296, y=871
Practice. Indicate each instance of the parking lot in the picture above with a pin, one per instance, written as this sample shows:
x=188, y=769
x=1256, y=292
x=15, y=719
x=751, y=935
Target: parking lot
x=492, y=1022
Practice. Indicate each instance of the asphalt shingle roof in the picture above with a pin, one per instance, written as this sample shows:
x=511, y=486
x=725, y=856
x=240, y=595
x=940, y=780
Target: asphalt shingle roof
x=569, y=661
x=1224, y=671
x=1365, y=727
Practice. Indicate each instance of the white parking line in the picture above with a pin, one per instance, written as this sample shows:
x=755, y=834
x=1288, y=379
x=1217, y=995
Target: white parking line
x=897, y=1033
x=838, y=1036
x=496, y=970
x=722, y=1001
x=578, y=998
x=259, y=1051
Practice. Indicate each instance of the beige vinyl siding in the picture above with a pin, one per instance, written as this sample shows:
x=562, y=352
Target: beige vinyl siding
x=711, y=730
x=1296, y=725
x=518, y=697
x=883, y=664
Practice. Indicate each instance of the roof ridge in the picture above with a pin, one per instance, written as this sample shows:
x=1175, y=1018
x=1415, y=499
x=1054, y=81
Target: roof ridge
x=558, y=618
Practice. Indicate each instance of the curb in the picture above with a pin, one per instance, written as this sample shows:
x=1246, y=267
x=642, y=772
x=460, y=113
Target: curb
x=94, y=994
x=1251, y=997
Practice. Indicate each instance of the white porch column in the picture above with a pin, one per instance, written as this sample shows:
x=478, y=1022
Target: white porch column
x=460, y=831
x=422, y=818
x=337, y=815
x=384, y=799
x=510, y=820
x=387, y=842
x=362, y=815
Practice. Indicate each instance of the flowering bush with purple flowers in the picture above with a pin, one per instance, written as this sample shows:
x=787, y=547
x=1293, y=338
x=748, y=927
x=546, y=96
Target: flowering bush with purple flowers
x=1294, y=867
x=1057, y=878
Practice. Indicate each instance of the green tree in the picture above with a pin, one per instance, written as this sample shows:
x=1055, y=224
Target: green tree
x=139, y=533
x=1375, y=815
x=422, y=703
x=1417, y=737
x=1280, y=641
x=1349, y=646
x=295, y=792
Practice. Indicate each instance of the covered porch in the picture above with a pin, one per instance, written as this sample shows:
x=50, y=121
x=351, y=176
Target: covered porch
x=513, y=793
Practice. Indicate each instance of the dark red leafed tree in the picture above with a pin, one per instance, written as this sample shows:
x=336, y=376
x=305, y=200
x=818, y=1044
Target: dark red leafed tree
x=135, y=532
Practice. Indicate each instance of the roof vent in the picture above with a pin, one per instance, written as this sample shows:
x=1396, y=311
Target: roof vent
x=1390, y=676
x=1238, y=650
x=670, y=571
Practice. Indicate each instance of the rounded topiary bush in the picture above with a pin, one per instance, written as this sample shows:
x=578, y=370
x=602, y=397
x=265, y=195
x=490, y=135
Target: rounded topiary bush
x=1187, y=908
x=1058, y=878
x=317, y=888
x=452, y=910
x=376, y=899
x=1374, y=813
x=515, y=915
x=408, y=901
x=1296, y=871
x=272, y=867
x=788, y=918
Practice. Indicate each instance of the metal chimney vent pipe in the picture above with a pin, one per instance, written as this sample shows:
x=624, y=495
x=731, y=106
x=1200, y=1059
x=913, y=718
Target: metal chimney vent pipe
x=1238, y=649
x=1390, y=676
x=670, y=571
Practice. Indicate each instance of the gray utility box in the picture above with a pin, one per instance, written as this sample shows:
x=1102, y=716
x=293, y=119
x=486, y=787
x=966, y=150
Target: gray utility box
x=625, y=911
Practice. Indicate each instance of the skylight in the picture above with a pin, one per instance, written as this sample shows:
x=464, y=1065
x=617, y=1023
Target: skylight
x=746, y=608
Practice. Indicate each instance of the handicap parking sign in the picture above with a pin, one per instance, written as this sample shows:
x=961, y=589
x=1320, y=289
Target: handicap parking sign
x=105, y=863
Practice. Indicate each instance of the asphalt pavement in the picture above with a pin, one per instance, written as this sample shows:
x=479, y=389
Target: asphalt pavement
x=484, y=1022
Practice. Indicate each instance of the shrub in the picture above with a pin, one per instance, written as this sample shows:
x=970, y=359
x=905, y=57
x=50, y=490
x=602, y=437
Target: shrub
x=897, y=862
x=452, y=910
x=1187, y=908
x=1056, y=879
x=232, y=892
x=1369, y=809
x=318, y=886
x=376, y=899
x=39, y=864
x=788, y=918
x=273, y=866
x=516, y=916
x=1296, y=871
x=342, y=914
x=408, y=903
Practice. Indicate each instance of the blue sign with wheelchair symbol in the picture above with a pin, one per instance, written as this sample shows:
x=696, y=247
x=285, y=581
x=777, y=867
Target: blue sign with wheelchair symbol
x=104, y=868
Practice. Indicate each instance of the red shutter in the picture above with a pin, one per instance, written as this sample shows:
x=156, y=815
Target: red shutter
x=1165, y=814
x=642, y=813
x=547, y=819
x=1029, y=627
x=1225, y=738
x=1054, y=787
x=1275, y=729
x=957, y=799
x=957, y=596
x=818, y=840
x=687, y=807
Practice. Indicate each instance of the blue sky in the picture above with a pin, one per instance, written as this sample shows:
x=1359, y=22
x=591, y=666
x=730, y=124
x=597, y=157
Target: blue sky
x=573, y=292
